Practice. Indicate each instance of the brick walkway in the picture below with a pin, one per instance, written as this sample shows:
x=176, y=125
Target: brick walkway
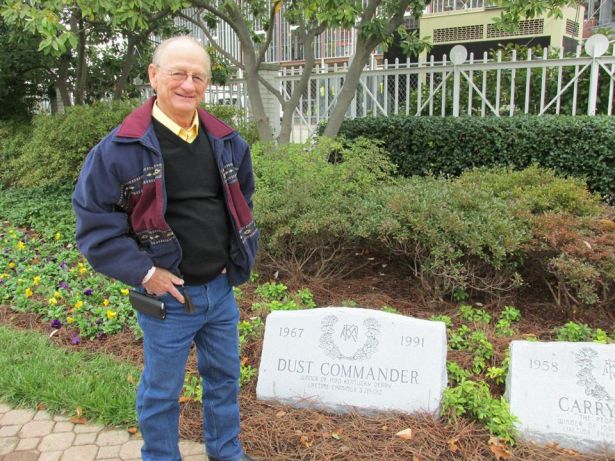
x=27, y=435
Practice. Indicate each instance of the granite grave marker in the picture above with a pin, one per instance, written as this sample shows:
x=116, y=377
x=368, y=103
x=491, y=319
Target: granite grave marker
x=564, y=393
x=338, y=357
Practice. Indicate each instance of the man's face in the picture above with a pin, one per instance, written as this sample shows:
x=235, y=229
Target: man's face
x=179, y=95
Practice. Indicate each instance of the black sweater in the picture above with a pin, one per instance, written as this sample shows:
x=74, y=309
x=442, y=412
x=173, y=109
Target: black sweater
x=196, y=209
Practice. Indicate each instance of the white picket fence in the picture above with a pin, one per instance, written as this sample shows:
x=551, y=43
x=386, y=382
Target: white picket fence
x=459, y=85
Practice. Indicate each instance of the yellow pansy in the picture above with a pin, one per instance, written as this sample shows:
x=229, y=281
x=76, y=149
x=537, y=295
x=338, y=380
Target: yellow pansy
x=53, y=301
x=111, y=314
x=78, y=304
x=105, y=302
x=58, y=236
x=28, y=292
x=4, y=276
x=57, y=295
x=11, y=264
x=124, y=291
x=36, y=280
x=21, y=245
x=70, y=320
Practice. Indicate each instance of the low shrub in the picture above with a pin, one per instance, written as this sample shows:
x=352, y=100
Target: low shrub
x=578, y=146
x=13, y=135
x=236, y=118
x=60, y=142
x=488, y=230
x=452, y=235
x=306, y=206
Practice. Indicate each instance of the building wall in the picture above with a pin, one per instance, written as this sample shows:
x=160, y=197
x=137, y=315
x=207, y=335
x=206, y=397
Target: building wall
x=475, y=29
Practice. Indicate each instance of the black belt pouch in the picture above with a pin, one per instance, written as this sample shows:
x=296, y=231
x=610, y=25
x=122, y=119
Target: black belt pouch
x=147, y=305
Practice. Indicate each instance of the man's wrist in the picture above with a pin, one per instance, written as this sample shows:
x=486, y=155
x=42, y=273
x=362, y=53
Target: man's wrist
x=149, y=275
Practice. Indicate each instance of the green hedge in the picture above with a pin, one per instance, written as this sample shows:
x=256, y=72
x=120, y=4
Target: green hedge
x=578, y=146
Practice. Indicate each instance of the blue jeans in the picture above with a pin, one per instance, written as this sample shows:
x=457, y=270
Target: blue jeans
x=212, y=326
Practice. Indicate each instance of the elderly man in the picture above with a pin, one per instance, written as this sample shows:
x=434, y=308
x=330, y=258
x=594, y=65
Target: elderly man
x=164, y=203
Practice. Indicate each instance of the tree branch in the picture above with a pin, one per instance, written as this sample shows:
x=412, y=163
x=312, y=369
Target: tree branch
x=397, y=19
x=216, y=12
x=308, y=42
x=263, y=48
x=199, y=22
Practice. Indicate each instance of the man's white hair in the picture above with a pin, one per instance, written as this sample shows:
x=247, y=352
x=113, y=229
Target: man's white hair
x=161, y=48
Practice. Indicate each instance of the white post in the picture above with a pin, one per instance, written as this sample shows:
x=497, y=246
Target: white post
x=595, y=46
x=593, y=87
x=458, y=55
x=456, y=89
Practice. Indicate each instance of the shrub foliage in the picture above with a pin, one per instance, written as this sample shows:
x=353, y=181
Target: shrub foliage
x=59, y=143
x=307, y=206
x=488, y=230
x=577, y=146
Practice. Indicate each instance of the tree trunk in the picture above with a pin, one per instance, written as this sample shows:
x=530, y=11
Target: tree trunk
x=364, y=47
x=82, y=70
x=256, y=101
x=298, y=90
x=122, y=81
x=348, y=90
x=62, y=82
x=258, y=109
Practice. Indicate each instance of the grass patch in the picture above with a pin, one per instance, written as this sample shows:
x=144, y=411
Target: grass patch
x=34, y=371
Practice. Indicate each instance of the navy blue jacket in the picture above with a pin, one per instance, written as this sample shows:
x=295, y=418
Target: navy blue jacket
x=120, y=201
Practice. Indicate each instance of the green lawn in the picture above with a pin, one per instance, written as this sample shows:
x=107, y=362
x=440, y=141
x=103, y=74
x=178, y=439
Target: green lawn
x=34, y=371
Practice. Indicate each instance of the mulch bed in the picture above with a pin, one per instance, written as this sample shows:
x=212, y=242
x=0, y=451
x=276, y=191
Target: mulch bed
x=276, y=432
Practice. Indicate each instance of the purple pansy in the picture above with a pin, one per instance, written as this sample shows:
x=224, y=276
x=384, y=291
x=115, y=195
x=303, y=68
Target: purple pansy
x=63, y=284
x=88, y=292
x=75, y=339
x=56, y=324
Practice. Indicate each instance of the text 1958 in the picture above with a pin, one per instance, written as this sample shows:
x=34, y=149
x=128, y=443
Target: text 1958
x=544, y=365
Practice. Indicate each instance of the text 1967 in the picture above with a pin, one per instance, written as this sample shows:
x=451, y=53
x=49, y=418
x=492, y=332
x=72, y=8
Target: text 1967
x=286, y=332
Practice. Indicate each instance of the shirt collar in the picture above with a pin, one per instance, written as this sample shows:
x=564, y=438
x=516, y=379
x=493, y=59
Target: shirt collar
x=187, y=134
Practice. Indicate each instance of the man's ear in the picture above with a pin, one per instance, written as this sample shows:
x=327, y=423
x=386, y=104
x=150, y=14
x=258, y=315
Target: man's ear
x=152, y=72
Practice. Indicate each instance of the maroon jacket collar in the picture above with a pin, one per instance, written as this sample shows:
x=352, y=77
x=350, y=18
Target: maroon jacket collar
x=138, y=121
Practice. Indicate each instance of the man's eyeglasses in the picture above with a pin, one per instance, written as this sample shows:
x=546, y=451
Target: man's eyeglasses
x=199, y=80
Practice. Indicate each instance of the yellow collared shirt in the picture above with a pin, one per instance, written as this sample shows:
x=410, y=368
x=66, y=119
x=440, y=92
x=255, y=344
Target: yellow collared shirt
x=187, y=134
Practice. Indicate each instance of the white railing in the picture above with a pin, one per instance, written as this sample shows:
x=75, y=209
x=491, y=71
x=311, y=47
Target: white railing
x=503, y=84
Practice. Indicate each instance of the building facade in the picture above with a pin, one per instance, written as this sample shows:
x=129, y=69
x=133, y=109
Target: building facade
x=445, y=23
x=453, y=22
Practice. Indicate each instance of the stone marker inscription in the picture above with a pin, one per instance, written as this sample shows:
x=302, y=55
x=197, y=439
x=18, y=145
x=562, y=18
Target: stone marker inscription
x=337, y=357
x=564, y=392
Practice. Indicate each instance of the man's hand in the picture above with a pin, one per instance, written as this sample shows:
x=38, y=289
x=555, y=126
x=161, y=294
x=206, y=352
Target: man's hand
x=163, y=282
